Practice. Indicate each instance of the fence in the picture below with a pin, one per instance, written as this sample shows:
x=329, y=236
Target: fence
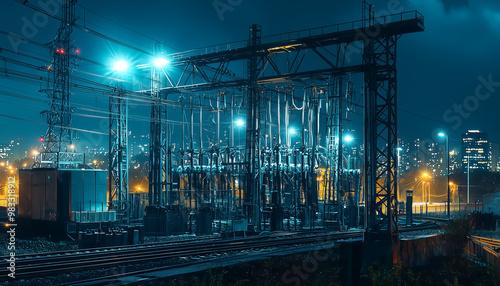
x=440, y=210
x=482, y=247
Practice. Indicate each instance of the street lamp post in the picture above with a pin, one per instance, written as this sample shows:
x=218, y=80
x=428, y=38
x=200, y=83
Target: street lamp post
x=398, y=169
x=441, y=134
x=428, y=195
x=468, y=180
x=426, y=201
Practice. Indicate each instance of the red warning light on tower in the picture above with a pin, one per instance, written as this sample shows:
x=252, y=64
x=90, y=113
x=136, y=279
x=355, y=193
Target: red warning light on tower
x=77, y=51
x=42, y=139
x=60, y=51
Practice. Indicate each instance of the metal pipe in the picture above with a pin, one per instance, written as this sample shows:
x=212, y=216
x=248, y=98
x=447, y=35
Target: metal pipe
x=232, y=122
x=218, y=120
x=279, y=119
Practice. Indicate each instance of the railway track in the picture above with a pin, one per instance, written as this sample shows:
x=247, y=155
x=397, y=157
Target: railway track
x=423, y=226
x=53, y=263
x=436, y=219
x=77, y=261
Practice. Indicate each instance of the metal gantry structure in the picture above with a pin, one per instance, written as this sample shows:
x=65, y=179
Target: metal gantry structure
x=158, y=148
x=315, y=59
x=271, y=84
x=252, y=139
x=55, y=150
x=118, y=156
x=381, y=134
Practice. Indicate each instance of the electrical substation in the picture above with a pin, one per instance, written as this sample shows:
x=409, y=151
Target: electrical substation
x=245, y=137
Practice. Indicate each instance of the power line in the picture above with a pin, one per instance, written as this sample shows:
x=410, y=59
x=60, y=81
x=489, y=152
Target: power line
x=85, y=29
x=43, y=123
x=419, y=115
x=123, y=26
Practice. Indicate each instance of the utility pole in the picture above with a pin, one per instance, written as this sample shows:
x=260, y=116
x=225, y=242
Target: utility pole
x=448, y=172
x=468, y=180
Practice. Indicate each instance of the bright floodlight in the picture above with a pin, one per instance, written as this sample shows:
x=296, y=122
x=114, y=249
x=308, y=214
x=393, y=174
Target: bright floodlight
x=348, y=138
x=240, y=122
x=120, y=65
x=292, y=131
x=160, y=62
x=399, y=149
x=441, y=134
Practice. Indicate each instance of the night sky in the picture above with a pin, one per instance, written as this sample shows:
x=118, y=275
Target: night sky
x=449, y=75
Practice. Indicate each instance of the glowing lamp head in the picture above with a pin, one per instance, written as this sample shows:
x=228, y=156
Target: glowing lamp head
x=72, y=147
x=120, y=66
x=399, y=149
x=348, y=138
x=240, y=122
x=292, y=131
x=160, y=62
x=441, y=134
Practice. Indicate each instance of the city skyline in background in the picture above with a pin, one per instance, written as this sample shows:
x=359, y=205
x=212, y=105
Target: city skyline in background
x=417, y=153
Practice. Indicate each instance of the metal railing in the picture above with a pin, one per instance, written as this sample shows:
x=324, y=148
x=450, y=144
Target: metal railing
x=347, y=26
x=440, y=210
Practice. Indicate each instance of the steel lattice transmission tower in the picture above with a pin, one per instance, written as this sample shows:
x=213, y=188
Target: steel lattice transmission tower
x=254, y=63
x=56, y=150
x=158, y=175
x=118, y=153
x=381, y=137
x=381, y=134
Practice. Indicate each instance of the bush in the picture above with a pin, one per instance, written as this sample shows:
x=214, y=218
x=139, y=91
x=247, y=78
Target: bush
x=396, y=276
x=456, y=235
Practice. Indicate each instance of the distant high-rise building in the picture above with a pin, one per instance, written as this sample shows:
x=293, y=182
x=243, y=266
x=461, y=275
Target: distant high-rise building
x=455, y=160
x=475, y=150
x=13, y=150
x=404, y=157
x=415, y=154
x=139, y=144
x=5, y=151
x=433, y=158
